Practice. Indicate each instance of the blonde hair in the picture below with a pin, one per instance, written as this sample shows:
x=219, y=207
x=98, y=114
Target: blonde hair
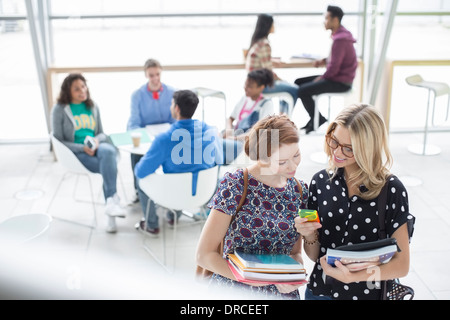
x=152, y=63
x=268, y=134
x=370, y=147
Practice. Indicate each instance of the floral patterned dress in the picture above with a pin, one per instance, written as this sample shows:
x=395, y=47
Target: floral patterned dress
x=265, y=223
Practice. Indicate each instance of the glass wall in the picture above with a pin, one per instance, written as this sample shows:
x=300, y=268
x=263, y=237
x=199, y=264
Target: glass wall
x=211, y=32
x=21, y=103
x=418, y=37
x=184, y=40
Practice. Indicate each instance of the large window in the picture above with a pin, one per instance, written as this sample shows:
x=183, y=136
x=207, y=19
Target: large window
x=21, y=103
x=185, y=32
x=184, y=40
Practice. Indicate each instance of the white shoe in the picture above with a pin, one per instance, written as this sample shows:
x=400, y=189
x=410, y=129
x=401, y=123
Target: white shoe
x=134, y=199
x=113, y=208
x=111, y=227
x=116, y=199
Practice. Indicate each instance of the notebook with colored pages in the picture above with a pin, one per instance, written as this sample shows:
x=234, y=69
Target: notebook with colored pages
x=238, y=263
x=272, y=261
x=363, y=255
x=240, y=278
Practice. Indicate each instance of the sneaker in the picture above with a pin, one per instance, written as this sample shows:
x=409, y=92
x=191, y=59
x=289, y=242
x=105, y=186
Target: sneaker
x=137, y=224
x=116, y=199
x=113, y=208
x=307, y=125
x=170, y=222
x=322, y=120
x=111, y=227
x=310, y=128
x=135, y=199
x=152, y=232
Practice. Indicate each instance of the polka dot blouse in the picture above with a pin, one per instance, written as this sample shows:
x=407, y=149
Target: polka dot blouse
x=350, y=221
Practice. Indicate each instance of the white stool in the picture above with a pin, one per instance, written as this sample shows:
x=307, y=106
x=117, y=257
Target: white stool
x=330, y=95
x=282, y=96
x=21, y=229
x=321, y=157
x=439, y=89
x=206, y=92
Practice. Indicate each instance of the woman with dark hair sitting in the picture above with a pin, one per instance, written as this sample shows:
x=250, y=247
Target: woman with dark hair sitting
x=259, y=55
x=74, y=118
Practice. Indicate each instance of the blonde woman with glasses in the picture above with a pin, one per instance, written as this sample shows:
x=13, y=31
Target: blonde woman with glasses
x=345, y=196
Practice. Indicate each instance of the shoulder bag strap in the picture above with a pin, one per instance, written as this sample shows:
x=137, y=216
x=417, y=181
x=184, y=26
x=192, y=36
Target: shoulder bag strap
x=382, y=200
x=241, y=203
x=244, y=194
x=204, y=273
x=300, y=188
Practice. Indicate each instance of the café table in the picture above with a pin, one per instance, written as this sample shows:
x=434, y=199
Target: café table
x=123, y=141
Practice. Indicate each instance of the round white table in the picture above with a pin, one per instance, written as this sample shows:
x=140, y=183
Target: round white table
x=151, y=131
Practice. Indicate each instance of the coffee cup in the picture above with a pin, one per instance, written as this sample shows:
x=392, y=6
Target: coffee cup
x=136, y=138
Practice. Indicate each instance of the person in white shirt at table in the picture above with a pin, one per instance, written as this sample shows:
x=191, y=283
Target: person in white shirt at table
x=250, y=108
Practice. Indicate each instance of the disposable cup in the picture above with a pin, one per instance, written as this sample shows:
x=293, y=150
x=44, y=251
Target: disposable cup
x=136, y=137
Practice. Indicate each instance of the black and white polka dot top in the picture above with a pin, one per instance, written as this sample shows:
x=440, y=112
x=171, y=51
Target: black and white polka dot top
x=350, y=221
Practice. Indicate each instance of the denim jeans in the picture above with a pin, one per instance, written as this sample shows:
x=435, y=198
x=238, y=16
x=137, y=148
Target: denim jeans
x=310, y=296
x=104, y=162
x=152, y=217
x=307, y=89
x=284, y=86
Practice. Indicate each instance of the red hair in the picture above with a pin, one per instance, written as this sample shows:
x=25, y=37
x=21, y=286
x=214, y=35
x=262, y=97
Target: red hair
x=268, y=134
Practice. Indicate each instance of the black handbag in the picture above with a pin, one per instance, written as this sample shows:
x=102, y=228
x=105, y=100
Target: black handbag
x=390, y=289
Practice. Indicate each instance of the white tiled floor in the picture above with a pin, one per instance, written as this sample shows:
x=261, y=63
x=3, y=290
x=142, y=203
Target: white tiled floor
x=88, y=263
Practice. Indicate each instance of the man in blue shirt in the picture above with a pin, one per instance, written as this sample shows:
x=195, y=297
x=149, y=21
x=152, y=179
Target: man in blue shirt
x=150, y=104
x=188, y=146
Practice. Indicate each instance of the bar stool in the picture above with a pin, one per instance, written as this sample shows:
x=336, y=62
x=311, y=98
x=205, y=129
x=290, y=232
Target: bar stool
x=282, y=96
x=206, y=92
x=321, y=157
x=438, y=89
x=329, y=95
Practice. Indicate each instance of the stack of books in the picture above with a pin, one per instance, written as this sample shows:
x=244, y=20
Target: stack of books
x=363, y=255
x=266, y=268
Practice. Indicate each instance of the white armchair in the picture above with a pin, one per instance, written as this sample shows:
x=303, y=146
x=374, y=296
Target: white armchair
x=178, y=191
x=67, y=159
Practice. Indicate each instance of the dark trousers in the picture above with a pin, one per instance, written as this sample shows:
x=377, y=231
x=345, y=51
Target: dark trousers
x=307, y=89
x=134, y=160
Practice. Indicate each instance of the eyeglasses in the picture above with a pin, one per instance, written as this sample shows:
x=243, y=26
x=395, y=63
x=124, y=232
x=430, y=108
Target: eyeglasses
x=333, y=144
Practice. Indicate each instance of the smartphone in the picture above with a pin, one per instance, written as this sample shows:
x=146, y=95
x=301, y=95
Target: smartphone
x=311, y=215
x=90, y=142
